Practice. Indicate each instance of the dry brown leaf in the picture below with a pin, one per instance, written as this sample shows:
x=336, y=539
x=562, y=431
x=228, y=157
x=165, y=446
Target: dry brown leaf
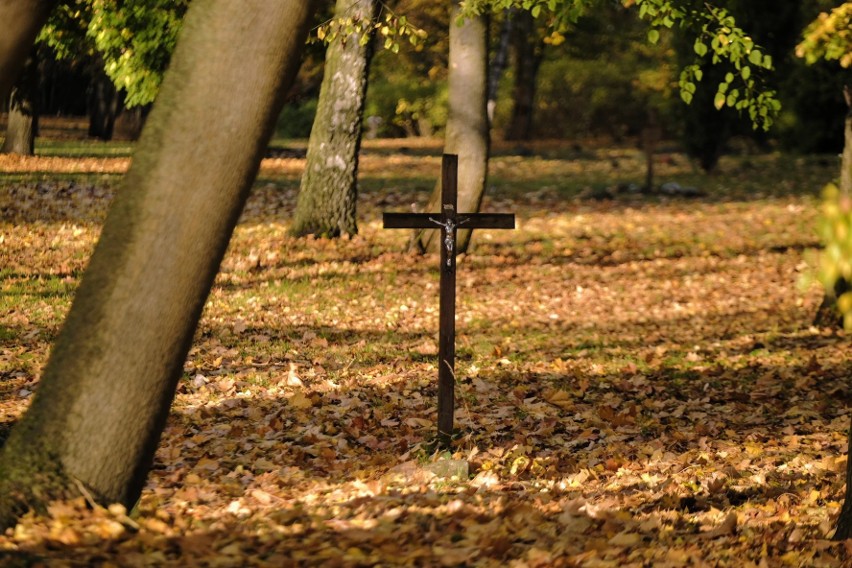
x=726, y=528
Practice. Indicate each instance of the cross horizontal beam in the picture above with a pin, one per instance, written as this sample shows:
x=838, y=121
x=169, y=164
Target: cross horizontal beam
x=434, y=221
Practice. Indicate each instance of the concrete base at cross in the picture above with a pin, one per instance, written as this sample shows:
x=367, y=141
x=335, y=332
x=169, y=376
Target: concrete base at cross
x=449, y=468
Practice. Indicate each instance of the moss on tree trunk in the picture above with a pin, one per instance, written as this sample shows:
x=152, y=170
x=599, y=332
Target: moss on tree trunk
x=105, y=394
x=34, y=477
x=327, y=198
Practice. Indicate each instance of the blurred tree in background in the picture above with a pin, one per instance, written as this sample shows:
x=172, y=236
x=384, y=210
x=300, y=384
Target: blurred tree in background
x=408, y=89
x=600, y=77
x=123, y=48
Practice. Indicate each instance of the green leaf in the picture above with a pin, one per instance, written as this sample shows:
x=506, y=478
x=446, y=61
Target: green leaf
x=755, y=57
x=653, y=36
x=733, y=97
x=745, y=72
x=719, y=101
x=700, y=48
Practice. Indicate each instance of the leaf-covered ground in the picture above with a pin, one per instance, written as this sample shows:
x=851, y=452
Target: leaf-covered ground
x=638, y=380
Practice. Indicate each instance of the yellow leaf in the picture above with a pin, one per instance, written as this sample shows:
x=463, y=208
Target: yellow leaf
x=418, y=422
x=299, y=401
x=727, y=527
x=559, y=398
x=519, y=465
x=625, y=539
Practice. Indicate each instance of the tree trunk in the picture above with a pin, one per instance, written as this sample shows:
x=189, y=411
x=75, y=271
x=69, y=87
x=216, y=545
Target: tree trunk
x=129, y=123
x=844, y=522
x=467, y=121
x=498, y=63
x=105, y=393
x=103, y=104
x=23, y=111
x=329, y=189
x=827, y=314
x=651, y=135
x=528, y=56
x=21, y=22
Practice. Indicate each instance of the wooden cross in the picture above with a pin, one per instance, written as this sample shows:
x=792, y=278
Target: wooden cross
x=449, y=221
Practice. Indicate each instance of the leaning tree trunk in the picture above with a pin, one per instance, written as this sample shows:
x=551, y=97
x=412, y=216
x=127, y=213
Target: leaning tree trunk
x=827, y=314
x=105, y=394
x=20, y=22
x=528, y=57
x=467, y=120
x=844, y=522
x=329, y=191
x=23, y=111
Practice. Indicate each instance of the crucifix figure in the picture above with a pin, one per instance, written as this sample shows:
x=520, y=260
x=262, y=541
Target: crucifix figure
x=449, y=221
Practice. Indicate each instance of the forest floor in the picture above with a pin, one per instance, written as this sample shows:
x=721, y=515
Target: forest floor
x=639, y=383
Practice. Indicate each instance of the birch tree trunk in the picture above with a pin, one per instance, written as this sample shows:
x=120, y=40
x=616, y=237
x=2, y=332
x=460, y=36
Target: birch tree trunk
x=329, y=190
x=467, y=121
x=105, y=393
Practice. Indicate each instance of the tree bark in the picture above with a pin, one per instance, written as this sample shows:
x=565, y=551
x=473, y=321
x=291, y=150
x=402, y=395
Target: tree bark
x=23, y=111
x=843, y=530
x=467, y=121
x=106, y=390
x=329, y=189
x=20, y=22
x=827, y=314
x=844, y=522
x=528, y=56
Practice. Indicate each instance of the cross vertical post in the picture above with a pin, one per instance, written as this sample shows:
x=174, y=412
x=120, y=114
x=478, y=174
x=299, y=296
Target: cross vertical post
x=448, y=220
x=447, y=318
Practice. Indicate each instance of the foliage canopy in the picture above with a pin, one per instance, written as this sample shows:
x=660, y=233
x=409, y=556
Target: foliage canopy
x=719, y=39
x=829, y=37
x=134, y=40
